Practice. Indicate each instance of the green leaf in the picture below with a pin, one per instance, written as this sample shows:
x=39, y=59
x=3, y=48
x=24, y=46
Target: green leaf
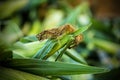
x=44, y=68
x=45, y=49
x=109, y=46
x=62, y=51
x=13, y=6
x=71, y=18
x=11, y=33
x=81, y=29
x=35, y=28
x=5, y=50
x=29, y=39
x=27, y=49
x=51, y=47
x=11, y=74
x=74, y=55
x=61, y=42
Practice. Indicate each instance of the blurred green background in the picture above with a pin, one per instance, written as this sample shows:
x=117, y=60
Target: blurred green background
x=21, y=20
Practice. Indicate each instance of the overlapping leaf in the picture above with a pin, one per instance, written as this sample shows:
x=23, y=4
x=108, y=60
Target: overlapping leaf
x=43, y=68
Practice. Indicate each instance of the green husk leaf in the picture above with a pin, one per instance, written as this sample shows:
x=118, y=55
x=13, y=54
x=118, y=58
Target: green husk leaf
x=23, y=49
x=61, y=42
x=74, y=55
x=61, y=51
x=81, y=29
x=51, y=46
x=12, y=74
x=28, y=39
x=44, y=68
x=45, y=49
